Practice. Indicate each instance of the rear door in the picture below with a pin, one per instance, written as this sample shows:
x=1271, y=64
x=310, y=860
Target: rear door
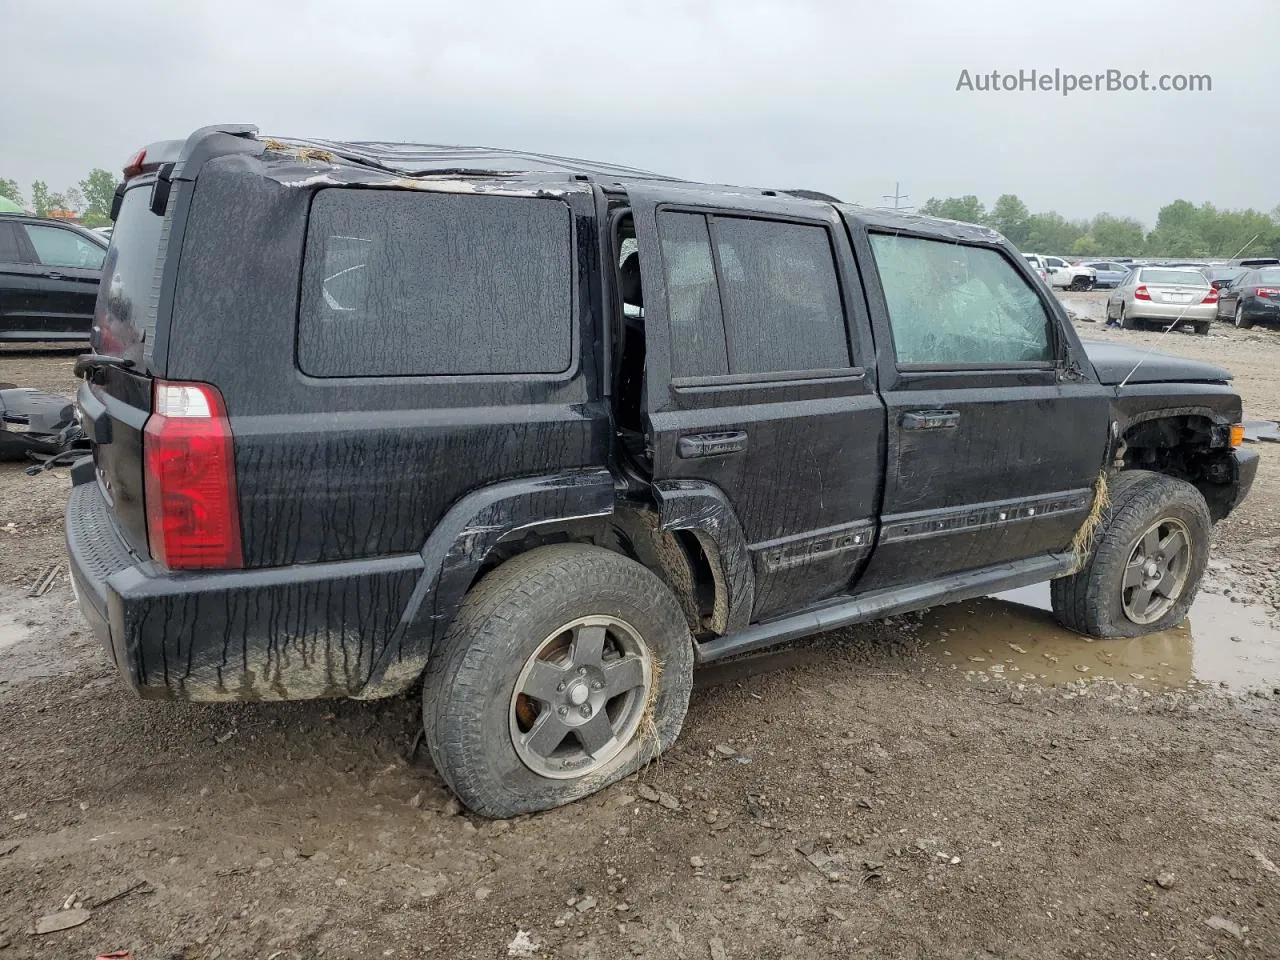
x=996, y=425
x=70, y=268
x=760, y=382
x=19, y=282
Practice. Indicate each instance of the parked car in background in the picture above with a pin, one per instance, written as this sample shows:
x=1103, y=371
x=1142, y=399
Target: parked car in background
x=1220, y=276
x=1064, y=275
x=1250, y=298
x=103, y=232
x=49, y=274
x=1164, y=296
x=1258, y=262
x=1108, y=273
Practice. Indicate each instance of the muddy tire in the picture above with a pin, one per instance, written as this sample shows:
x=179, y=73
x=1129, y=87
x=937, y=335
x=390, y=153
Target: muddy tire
x=1202, y=327
x=1126, y=322
x=1242, y=322
x=566, y=669
x=1149, y=554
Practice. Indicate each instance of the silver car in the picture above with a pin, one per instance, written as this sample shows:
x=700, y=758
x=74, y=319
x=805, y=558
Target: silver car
x=1163, y=296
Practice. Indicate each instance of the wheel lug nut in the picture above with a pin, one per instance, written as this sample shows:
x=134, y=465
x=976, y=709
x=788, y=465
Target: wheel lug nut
x=597, y=685
x=586, y=710
x=563, y=711
x=560, y=688
x=582, y=671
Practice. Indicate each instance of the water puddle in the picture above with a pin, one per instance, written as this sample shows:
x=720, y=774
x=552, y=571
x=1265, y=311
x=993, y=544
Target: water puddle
x=1013, y=635
x=21, y=658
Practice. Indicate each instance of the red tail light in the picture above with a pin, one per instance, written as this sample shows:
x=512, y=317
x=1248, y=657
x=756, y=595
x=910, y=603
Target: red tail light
x=193, y=514
x=134, y=166
x=1210, y=297
x=1267, y=292
x=1141, y=294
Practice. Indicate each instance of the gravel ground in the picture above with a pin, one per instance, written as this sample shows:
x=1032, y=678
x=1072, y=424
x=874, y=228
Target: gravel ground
x=857, y=795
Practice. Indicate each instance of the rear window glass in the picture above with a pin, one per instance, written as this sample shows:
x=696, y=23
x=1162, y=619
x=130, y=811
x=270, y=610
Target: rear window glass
x=125, y=317
x=401, y=283
x=1270, y=275
x=1188, y=278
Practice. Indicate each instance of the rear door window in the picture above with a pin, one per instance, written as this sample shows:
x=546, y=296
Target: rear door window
x=952, y=304
x=10, y=244
x=407, y=283
x=751, y=296
x=57, y=247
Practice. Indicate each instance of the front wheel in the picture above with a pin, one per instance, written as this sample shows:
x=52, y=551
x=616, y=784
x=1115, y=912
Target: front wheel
x=1146, y=561
x=566, y=669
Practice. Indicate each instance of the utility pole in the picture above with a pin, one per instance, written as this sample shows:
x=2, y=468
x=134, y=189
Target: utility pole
x=897, y=197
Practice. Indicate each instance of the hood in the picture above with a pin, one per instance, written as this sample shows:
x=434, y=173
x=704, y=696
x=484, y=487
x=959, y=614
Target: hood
x=1113, y=361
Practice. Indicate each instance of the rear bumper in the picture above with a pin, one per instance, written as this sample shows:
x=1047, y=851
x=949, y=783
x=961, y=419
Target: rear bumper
x=292, y=633
x=1188, y=313
x=1260, y=311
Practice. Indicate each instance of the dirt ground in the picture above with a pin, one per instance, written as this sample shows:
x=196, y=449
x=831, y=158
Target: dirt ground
x=965, y=783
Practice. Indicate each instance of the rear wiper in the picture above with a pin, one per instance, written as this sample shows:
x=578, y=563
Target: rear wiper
x=88, y=362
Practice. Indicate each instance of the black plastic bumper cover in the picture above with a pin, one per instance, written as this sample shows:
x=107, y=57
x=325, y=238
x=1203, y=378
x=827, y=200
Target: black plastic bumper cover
x=287, y=633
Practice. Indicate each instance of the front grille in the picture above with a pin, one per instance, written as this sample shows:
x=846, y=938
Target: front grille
x=92, y=536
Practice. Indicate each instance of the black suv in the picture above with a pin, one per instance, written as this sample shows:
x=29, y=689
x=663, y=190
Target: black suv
x=49, y=272
x=543, y=434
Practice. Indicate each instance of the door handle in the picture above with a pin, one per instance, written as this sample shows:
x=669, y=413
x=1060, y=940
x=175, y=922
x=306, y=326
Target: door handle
x=931, y=420
x=54, y=275
x=711, y=444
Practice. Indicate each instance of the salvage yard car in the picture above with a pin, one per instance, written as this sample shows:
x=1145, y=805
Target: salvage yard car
x=540, y=435
x=49, y=272
x=1252, y=297
x=1164, y=297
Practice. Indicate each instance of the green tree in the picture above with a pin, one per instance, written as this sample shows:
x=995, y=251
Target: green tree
x=1176, y=241
x=1011, y=217
x=1052, y=233
x=1086, y=246
x=1118, y=236
x=99, y=189
x=967, y=208
x=9, y=188
x=40, y=198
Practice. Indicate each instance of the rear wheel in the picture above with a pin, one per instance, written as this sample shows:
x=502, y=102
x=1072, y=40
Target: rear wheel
x=1242, y=322
x=1126, y=322
x=1148, y=556
x=1202, y=327
x=566, y=669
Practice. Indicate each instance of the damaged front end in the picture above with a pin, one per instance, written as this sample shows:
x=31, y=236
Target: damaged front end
x=39, y=426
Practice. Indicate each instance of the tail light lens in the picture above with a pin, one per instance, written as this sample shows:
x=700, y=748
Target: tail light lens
x=1210, y=297
x=193, y=513
x=1267, y=292
x=1141, y=294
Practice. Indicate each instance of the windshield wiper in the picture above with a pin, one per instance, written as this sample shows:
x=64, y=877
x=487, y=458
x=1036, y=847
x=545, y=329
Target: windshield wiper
x=88, y=362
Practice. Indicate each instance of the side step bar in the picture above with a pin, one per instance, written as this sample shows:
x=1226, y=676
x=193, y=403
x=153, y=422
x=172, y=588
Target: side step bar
x=887, y=603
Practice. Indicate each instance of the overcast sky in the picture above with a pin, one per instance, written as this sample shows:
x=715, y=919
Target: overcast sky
x=846, y=97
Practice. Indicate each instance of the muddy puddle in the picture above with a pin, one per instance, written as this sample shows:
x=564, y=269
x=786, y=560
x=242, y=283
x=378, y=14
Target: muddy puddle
x=1013, y=635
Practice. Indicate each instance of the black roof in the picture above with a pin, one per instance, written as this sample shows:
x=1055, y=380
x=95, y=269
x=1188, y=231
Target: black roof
x=425, y=159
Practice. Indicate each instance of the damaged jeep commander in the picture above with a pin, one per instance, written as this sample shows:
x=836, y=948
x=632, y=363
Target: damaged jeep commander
x=541, y=435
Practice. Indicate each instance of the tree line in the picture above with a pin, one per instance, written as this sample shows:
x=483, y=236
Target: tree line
x=1182, y=229
x=89, y=200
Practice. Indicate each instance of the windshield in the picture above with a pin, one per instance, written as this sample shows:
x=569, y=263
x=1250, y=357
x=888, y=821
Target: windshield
x=1186, y=278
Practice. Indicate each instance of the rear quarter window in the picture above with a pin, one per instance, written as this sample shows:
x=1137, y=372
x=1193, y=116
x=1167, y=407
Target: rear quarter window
x=403, y=283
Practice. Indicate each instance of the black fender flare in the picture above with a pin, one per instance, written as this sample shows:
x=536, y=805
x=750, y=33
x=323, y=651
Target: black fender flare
x=702, y=509
x=458, y=547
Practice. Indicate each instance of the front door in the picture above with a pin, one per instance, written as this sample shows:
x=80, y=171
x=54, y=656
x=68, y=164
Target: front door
x=70, y=270
x=997, y=428
x=761, y=382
